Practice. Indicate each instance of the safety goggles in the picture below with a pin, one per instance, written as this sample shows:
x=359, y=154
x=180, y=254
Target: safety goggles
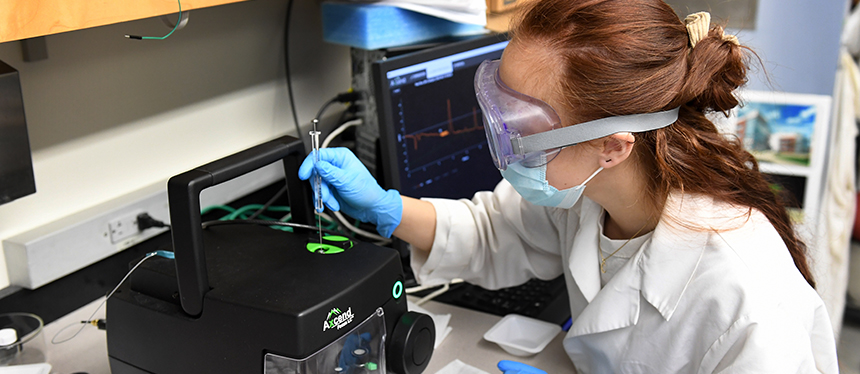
x=524, y=129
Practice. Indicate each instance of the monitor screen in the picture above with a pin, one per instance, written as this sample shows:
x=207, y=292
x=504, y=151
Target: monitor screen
x=432, y=141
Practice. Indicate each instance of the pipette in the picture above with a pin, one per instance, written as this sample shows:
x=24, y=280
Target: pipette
x=317, y=180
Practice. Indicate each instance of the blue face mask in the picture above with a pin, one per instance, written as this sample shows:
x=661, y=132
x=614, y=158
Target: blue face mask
x=532, y=185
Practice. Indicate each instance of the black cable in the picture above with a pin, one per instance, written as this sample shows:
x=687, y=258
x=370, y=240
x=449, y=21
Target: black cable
x=269, y=203
x=325, y=106
x=261, y=222
x=287, y=68
x=343, y=97
x=145, y=221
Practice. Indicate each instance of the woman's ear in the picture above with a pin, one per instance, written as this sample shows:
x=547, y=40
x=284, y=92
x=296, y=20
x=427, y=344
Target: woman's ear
x=616, y=149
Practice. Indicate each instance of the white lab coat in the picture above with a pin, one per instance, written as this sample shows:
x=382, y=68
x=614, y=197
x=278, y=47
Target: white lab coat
x=688, y=301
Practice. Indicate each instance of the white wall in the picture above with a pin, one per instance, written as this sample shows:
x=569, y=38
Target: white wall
x=798, y=42
x=108, y=116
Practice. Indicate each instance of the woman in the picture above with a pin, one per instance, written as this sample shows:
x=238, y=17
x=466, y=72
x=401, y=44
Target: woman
x=678, y=256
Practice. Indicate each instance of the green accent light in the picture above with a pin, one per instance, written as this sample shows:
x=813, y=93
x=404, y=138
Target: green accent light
x=371, y=366
x=336, y=238
x=397, y=290
x=331, y=244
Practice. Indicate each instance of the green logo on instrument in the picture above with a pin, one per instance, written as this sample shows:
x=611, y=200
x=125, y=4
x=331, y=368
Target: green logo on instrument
x=337, y=319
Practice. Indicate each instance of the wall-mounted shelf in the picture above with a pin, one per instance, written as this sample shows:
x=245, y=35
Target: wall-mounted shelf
x=23, y=19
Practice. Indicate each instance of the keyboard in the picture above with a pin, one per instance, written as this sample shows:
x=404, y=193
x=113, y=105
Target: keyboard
x=544, y=300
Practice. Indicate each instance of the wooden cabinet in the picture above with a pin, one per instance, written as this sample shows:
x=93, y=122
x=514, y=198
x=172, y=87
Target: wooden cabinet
x=22, y=19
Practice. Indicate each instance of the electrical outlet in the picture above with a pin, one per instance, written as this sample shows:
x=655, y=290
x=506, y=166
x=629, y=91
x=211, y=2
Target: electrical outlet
x=123, y=227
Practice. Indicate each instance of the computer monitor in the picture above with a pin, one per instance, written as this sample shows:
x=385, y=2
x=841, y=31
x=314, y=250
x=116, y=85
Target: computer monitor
x=431, y=132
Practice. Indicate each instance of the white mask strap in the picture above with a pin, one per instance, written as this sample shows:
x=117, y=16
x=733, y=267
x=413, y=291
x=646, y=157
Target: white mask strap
x=592, y=176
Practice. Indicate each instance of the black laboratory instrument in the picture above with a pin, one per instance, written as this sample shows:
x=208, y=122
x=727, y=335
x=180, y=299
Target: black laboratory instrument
x=251, y=299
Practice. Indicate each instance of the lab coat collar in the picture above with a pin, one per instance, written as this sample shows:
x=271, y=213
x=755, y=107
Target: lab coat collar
x=667, y=265
x=615, y=306
x=658, y=273
x=583, y=264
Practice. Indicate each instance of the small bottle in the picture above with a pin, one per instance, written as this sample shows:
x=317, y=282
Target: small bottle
x=9, y=346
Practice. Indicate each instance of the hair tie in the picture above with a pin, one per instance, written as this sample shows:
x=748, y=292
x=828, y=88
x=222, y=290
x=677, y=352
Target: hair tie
x=697, y=28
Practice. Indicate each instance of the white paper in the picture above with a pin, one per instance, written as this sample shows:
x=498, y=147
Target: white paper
x=43, y=368
x=459, y=367
x=439, y=320
x=462, y=11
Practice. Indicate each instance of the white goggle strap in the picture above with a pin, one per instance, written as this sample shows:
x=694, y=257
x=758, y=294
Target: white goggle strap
x=596, y=129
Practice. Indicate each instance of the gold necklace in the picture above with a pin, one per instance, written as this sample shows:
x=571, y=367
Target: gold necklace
x=600, y=250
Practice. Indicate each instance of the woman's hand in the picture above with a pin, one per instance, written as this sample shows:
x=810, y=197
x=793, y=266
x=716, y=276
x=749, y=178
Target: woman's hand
x=348, y=186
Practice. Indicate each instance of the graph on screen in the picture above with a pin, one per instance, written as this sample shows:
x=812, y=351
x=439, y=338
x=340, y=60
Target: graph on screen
x=445, y=129
x=435, y=124
x=438, y=133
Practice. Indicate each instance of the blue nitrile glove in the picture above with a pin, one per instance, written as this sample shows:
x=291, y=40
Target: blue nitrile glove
x=513, y=367
x=348, y=186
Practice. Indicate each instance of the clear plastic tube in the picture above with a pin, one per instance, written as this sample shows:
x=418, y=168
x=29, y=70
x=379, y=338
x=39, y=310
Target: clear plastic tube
x=316, y=179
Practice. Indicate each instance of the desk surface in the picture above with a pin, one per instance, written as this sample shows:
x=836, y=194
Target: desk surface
x=466, y=343
x=87, y=352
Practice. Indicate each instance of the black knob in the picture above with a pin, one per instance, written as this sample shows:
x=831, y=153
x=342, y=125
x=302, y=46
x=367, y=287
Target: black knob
x=411, y=344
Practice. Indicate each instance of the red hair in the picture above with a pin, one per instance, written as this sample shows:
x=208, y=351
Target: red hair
x=620, y=57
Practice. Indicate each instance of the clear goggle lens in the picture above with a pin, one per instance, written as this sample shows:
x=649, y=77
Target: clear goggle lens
x=509, y=115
